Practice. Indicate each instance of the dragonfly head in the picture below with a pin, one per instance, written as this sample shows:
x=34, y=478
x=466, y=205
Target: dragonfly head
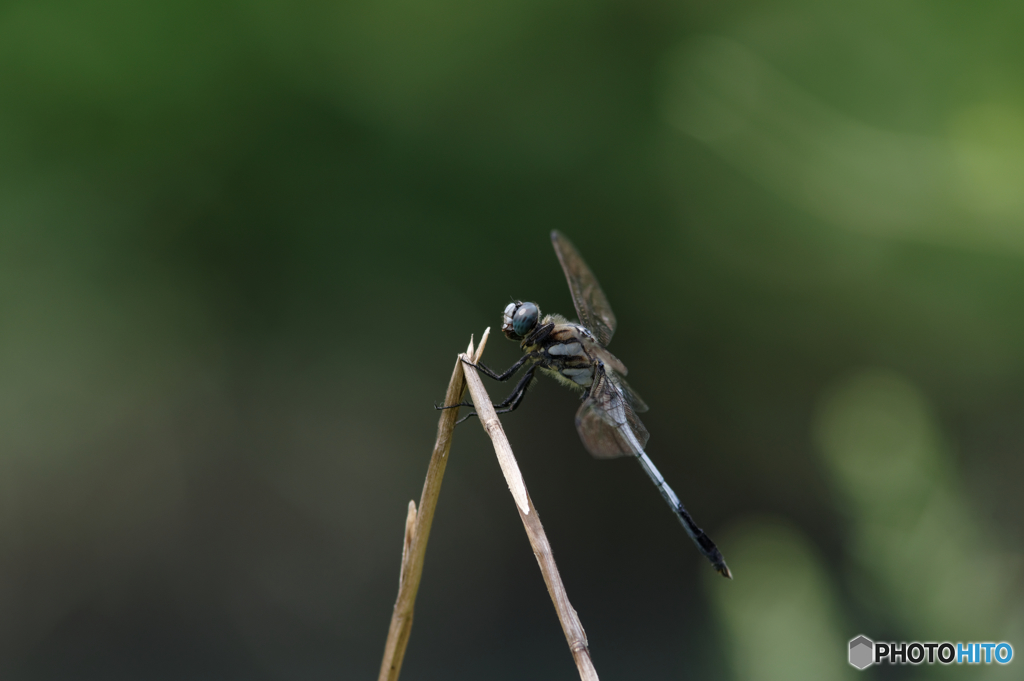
x=519, y=320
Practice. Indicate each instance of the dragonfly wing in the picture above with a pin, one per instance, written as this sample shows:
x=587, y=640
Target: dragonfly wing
x=606, y=422
x=591, y=305
x=619, y=369
x=634, y=399
x=610, y=360
x=635, y=424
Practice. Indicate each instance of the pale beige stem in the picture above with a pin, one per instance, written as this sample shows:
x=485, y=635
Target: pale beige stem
x=567, y=616
x=417, y=525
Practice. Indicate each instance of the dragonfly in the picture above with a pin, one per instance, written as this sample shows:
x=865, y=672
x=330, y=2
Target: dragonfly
x=575, y=354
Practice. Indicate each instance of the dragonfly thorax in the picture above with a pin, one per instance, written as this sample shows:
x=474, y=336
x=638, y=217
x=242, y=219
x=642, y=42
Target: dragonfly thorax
x=519, y=320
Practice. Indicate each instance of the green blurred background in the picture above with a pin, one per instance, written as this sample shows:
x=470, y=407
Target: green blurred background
x=242, y=243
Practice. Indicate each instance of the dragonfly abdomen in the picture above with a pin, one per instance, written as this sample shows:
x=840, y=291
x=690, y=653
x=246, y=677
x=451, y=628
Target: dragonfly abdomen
x=702, y=540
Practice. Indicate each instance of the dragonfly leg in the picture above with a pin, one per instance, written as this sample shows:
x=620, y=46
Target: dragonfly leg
x=508, y=373
x=513, y=401
x=442, y=407
x=510, y=404
x=538, y=335
x=533, y=339
x=472, y=413
x=484, y=369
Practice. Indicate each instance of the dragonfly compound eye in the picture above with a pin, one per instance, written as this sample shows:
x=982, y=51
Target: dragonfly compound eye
x=525, y=319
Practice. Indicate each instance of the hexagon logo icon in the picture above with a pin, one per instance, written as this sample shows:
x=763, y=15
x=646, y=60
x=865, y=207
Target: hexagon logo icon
x=862, y=652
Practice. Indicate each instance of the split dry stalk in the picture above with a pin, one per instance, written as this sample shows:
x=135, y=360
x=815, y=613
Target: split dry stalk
x=567, y=616
x=417, y=524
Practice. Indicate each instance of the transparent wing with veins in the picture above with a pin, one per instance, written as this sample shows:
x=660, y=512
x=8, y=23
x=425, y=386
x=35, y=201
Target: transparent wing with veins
x=607, y=420
x=591, y=304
